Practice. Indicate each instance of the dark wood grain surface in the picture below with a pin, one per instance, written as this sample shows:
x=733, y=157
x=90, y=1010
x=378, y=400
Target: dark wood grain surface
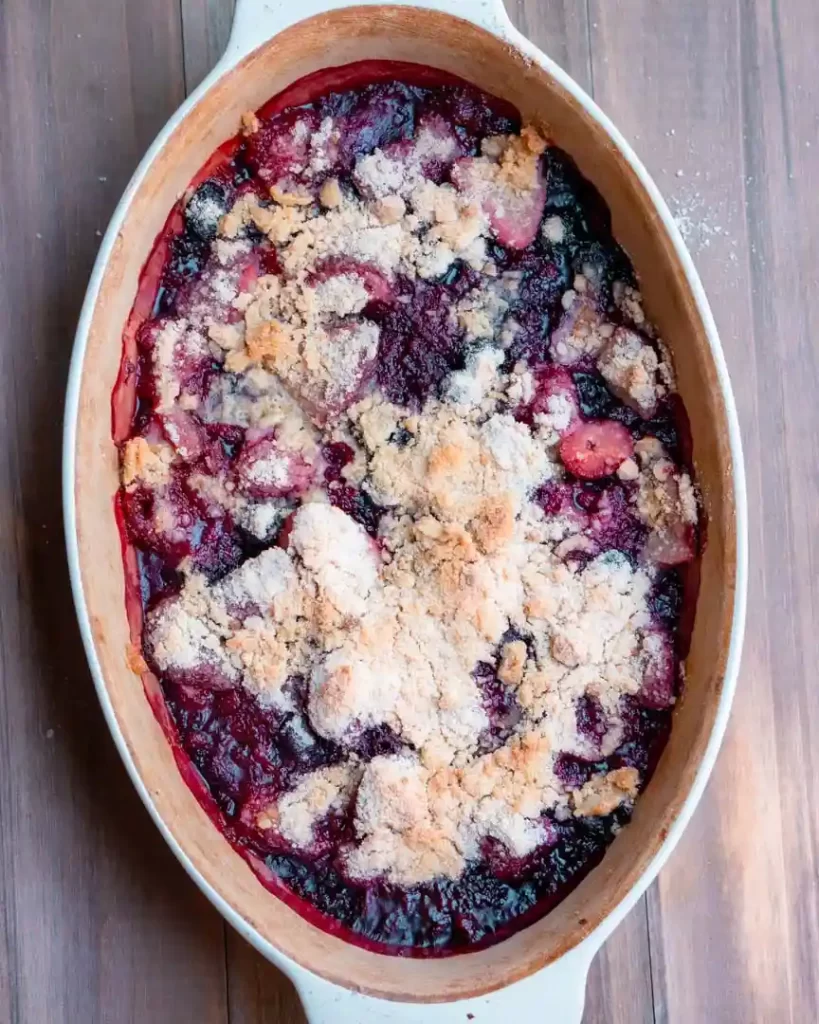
x=98, y=924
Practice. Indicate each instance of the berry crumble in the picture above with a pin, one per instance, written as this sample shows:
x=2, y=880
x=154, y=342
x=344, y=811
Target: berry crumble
x=406, y=506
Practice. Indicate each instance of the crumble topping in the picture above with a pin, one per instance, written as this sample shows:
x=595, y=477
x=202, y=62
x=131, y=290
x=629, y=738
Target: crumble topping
x=604, y=793
x=389, y=630
x=175, y=343
x=666, y=494
x=452, y=468
x=415, y=823
x=395, y=643
x=513, y=662
x=582, y=330
x=234, y=631
x=631, y=368
x=295, y=816
x=250, y=123
x=148, y=463
x=380, y=173
x=553, y=230
x=630, y=302
x=340, y=558
x=509, y=165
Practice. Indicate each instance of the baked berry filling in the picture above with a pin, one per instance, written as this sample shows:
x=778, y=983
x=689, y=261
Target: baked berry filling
x=404, y=473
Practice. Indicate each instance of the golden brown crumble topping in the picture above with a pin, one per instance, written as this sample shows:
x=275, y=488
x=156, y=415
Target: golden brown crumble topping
x=604, y=794
x=284, y=198
x=513, y=662
x=250, y=123
x=666, y=498
x=298, y=811
x=631, y=368
x=519, y=159
x=136, y=663
x=146, y=463
x=330, y=194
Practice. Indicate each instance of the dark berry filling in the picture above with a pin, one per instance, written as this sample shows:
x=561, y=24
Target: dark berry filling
x=420, y=343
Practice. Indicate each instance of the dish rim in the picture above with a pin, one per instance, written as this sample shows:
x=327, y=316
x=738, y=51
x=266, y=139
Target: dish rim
x=76, y=376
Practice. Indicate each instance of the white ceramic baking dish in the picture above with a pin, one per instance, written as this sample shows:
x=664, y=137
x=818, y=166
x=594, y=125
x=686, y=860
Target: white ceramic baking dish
x=540, y=972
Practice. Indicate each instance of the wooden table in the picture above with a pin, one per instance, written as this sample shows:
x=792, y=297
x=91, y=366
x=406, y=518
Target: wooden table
x=98, y=923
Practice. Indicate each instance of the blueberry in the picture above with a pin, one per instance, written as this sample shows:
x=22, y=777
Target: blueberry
x=205, y=209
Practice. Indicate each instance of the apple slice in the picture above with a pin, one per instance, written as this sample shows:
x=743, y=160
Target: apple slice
x=674, y=545
x=577, y=334
x=185, y=433
x=266, y=470
x=657, y=689
x=281, y=147
x=514, y=213
x=556, y=397
x=508, y=184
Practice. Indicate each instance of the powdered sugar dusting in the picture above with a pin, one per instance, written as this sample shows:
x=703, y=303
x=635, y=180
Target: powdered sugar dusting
x=701, y=222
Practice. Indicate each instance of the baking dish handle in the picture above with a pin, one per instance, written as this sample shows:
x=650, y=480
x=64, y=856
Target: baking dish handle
x=554, y=995
x=256, y=21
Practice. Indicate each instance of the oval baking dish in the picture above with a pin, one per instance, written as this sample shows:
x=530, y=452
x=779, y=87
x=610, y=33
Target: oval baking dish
x=268, y=51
